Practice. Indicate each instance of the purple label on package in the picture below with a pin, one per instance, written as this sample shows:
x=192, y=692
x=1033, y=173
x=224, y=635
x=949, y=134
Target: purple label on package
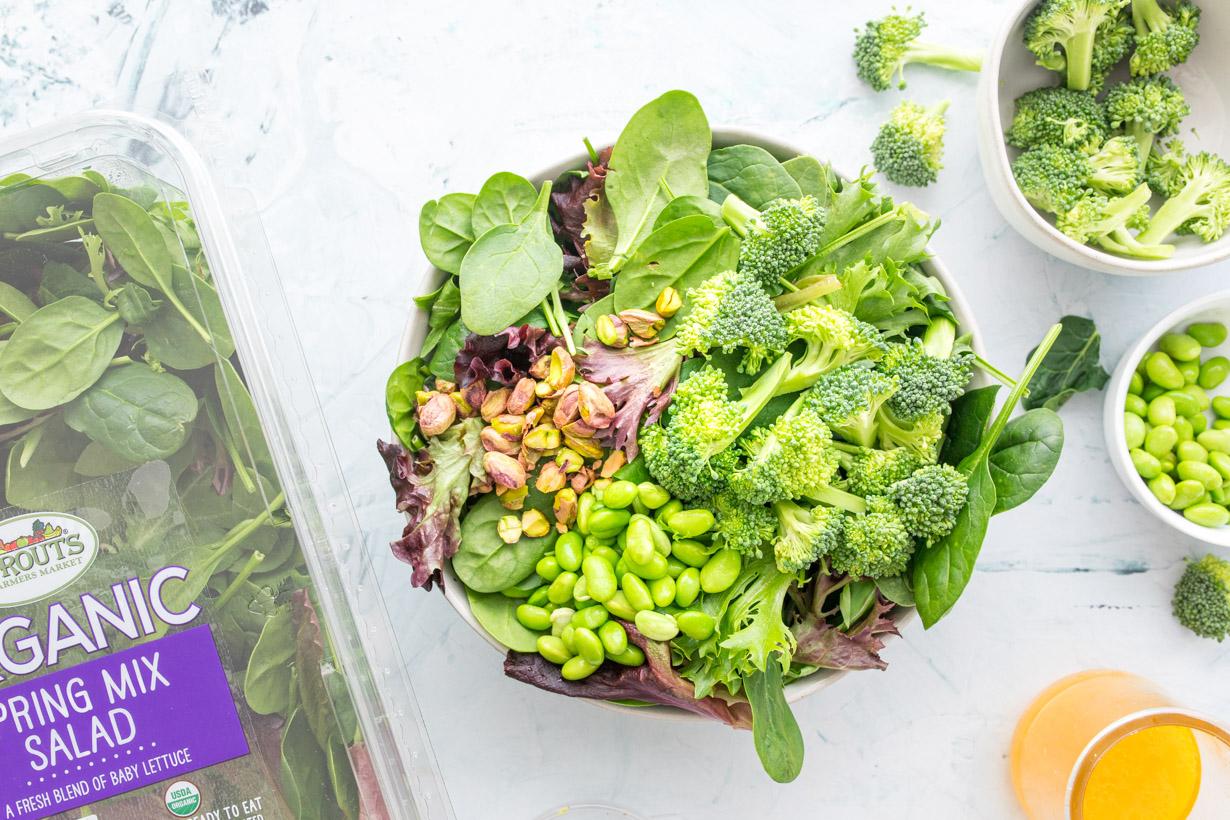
x=115, y=724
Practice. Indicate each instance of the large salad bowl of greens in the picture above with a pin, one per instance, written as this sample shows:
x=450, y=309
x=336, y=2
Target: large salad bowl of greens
x=691, y=425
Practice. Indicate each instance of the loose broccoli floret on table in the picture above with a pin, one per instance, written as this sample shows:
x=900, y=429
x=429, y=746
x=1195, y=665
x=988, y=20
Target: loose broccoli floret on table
x=849, y=400
x=776, y=239
x=1058, y=116
x=1145, y=108
x=1164, y=38
x=1063, y=35
x=1105, y=220
x=1201, y=206
x=909, y=148
x=884, y=47
x=1202, y=598
x=805, y=534
x=833, y=337
x=732, y=311
x=929, y=500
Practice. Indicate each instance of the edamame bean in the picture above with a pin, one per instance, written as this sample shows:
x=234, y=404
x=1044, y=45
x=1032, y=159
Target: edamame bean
x=1185, y=404
x=1145, y=463
x=560, y=618
x=1137, y=405
x=1161, y=370
x=1213, y=372
x=567, y=635
x=1180, y=346
x=553, y=649
x=1161, y=440
x=632, y=656
x=695, y=624
x=1221, y=463
x=606, y=554
x=639, y=547
x=1162, y=487
x=657, y=626
x=661, y=541
x=1198, y=471
x=580, y=592
x=687, y=587
x=1209, y=334
x=534, y=617
x=618, y=495
x=675, y=567
x=667, y=510
x=1152, y=391
x=663, y=591
x=690, y=523
x=1197, y=392
x=1186, y=493
x=1136, y=384
x=614, y=637
x=1183, y=429
x=1221, y=406
x=651, y=570
x=692, y=553
x=591, y=617
x=1191, y=451
x=638, y=507
x=621, y=566
x=560, y=591
x=577, y=669
x=651, y=495
x=1133, y=430
x=538, y=598
x=568, y=549
x=1215, y=440
x=1190, y=371
x=585, y=505
x=588, y=645
x=619, y=606
x=722, y=570
x=607, y=523
x=548, y=565
x=1221, y=424
x=600, y=580
x=1207, y=515
x=636, y=592
x=1219, y=496
x=1198, y=423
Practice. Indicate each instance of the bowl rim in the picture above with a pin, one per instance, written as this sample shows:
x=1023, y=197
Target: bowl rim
x=997, y=148
x=1113, y=411
x=415, y=329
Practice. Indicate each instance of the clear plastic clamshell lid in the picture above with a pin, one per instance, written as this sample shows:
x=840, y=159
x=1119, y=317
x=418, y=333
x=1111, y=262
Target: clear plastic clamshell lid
x=178, y=596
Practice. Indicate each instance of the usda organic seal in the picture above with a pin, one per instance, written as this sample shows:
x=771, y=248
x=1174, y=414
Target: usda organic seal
x=42, y=553
x=183, y=798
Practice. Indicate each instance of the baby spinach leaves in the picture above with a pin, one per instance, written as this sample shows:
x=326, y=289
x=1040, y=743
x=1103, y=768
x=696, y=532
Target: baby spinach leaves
x=497, y=614
x=1073, y=365
x=775, y=731
x=267, y=683
x=751, y=173
x=681, y=254
x=400, y=403
x=509, y=270
x=446, y=230
x=504, y=199
x=483, y=562
x=139, y=413
x=1025, y=456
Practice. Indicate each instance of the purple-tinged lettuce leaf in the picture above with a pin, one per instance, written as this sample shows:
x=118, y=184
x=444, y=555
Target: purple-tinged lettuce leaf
x=655, y=681
x=431, y=486
x=371, y=800
x=504, y=357
x=639, y=381
x=568, y=197
x=827, y=647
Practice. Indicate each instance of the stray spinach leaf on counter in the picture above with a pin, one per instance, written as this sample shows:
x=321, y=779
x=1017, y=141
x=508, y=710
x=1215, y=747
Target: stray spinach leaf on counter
x=115, y=354
x=1073, y=366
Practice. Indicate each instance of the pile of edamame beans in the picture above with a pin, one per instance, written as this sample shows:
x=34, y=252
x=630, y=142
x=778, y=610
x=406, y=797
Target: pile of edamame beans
x=635, y=555
x=1182, y=454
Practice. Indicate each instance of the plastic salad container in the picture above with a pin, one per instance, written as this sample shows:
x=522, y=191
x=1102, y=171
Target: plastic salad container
x=186, y=620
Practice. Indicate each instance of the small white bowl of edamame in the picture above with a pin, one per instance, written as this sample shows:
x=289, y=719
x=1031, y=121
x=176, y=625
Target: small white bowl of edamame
x=1177, y=472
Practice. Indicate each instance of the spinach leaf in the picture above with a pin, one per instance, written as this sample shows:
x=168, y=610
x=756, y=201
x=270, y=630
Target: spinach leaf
x=896, y=589
x=23, y=203
x=504, y=199
x=54, y=232
x=445, y=307
x=15, y=304
x=454, y=338
x=242, y=421
x=682, y=206
x=77, y=189
x=139, y=413
x=750, y=173
x=304, y=772
x=661, y=154
x=968, y=422
x=9, y=412
x=58, y=352
x=855, y=601
x=497, y=614
x=133, y=238
x=483, y=562
x=46, y=470
x=1072, y=366
x=813, y=178
x=681, y=254
x=60, y=280
x=171, y=339
x=342, y=779
x=135, y=305
x=446, y=230
x=509, y=270
x=1025, y=456
x=401, y=404
x=266, y=684
x=99, y=460
x=779, y=742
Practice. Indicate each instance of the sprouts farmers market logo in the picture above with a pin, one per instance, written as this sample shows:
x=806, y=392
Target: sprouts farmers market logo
x=42, y=553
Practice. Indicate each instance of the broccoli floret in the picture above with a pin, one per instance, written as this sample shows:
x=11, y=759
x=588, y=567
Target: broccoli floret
x=1062, y=34
x=1053, y=178
x=776, y=239
x=1200, y=207
x=910, y=146
x=1058, y=116
x=744, y=528
x=805, y=534
x=926, y=383
x=884, y=48
x=1164, y=170
x=872, y=472
x=690, y=454
x=921, y=434
x=786, y=458
x=731, y=311
x=875, y=544
x=1202, y=598
x=1111, y=45
x=833, y=337
x=849, y=399
x=1105, y=220
x=1145, y=108
x=1163, y=40
x=1115, y=168
x=929, y=500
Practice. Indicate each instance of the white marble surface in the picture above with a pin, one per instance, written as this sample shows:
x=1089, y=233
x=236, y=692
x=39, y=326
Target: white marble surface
x=343, y=117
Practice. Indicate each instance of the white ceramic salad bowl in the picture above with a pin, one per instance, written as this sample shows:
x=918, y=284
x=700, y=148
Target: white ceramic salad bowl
x=416, y=330
x=1009, y=70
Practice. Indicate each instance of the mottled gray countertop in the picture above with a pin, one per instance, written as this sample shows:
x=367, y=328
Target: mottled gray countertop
x=342, y=118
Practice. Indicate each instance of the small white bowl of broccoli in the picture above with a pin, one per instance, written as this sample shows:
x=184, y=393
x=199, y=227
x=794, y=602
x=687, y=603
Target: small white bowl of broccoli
x=1102, y=130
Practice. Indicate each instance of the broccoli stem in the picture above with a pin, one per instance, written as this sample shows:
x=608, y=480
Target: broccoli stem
x=1144, y=140
x=1122, y=242
x=1148, y=16
x=752, y=400
x=1080, y=60
x=741, y=217
x=942, y=56
x=940, y=338
x=1173, y=213
x=834, y=497
x=808, y=290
